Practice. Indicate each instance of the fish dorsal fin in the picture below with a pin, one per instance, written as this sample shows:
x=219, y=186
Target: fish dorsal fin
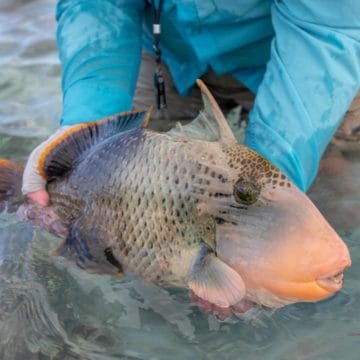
x=210, y=124
x=63, y=149
x=200, y=128
x=215, y=115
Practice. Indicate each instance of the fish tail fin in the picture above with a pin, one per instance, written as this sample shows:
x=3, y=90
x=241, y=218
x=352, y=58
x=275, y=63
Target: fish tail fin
x=214, y=281
x=10, y=186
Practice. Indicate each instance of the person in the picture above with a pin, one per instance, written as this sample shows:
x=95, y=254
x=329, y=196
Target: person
x=301, y=59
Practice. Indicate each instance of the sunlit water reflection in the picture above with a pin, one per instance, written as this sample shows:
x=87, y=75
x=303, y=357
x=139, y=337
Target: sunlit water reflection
x=50, y=310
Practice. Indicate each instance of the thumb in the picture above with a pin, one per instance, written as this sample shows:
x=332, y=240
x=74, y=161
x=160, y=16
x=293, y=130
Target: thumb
x=39, y=197
x=34, y=183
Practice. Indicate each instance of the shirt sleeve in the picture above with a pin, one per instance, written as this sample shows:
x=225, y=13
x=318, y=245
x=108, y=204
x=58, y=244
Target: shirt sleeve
x=310, y=80
x=100, y=51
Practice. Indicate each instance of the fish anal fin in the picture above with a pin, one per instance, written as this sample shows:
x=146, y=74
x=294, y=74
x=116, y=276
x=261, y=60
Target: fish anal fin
x=61, y=151
x=110, y=257
x=214, y=281
x=88, y=253
x=57, y=251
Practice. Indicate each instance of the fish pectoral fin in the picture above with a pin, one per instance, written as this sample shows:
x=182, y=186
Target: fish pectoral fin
x=63, y=149
x=214, y=281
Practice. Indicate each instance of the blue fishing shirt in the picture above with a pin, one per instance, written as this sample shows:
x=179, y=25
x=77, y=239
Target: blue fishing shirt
x=301, y=58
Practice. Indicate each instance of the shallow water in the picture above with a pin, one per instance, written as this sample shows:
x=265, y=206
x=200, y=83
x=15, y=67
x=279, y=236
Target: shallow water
x=50, y=310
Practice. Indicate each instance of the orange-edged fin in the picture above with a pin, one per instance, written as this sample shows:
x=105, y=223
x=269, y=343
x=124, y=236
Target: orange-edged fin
x=214, y=281
x=148, y=117
x=59, y=154
x=10, y=185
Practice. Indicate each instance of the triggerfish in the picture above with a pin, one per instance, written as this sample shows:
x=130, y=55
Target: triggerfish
x=189, y=208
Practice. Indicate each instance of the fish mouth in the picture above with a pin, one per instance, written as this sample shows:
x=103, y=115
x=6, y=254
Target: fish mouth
x=332, y=283
x=288, y=292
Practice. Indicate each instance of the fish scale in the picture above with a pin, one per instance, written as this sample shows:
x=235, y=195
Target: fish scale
x=190, y=208
x=133, y=183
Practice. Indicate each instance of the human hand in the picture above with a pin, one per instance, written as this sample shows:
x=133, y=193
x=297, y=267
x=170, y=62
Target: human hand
x=39, y=197
x=34, y=183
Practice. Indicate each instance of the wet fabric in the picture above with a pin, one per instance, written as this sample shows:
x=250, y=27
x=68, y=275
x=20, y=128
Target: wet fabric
x=227, y=91
x=302, y=59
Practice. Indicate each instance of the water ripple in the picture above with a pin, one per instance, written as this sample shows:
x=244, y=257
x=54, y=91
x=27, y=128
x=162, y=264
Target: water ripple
x=51, y=310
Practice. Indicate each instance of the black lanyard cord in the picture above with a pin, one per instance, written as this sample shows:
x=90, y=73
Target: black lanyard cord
x=158, y=76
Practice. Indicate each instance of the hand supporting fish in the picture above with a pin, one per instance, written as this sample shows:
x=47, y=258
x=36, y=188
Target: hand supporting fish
x=189, y=208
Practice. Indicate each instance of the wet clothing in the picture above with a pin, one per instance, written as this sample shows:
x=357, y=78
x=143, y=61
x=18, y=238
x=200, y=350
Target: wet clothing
x=300, y=58
x=228, y=92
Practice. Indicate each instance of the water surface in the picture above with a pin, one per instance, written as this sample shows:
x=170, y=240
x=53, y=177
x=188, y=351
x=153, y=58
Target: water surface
x=51, y=310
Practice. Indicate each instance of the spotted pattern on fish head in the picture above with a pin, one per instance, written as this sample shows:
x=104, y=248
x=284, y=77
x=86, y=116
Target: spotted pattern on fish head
x=274, y=236
x=250, y=166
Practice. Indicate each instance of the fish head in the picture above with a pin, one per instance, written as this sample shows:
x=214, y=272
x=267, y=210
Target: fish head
x=266, y=228
x=275, y=238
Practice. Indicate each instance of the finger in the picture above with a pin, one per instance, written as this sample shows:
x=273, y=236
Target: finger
x=44, y=217
x=40, y=197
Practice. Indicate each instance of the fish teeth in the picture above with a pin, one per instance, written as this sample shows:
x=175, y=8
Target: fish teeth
x=338, y=278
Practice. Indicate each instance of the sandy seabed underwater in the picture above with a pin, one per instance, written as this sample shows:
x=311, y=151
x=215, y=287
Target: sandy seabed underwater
x=50, y=310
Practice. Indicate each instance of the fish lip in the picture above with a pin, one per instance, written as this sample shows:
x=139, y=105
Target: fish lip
x=332, y=282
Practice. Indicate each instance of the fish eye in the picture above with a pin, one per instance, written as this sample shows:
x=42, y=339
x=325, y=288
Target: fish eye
x=246, y=192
